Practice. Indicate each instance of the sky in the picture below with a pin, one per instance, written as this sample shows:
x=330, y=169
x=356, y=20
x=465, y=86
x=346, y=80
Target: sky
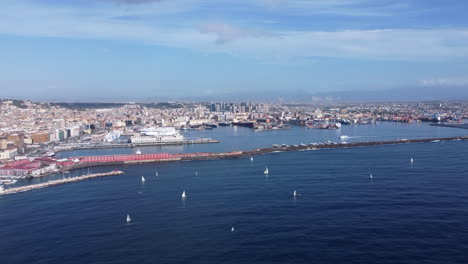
x=136, y=49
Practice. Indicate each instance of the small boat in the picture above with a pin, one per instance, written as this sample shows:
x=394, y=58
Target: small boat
x=184, y=195
x=232, y=229
x=196, y=173
x=157, y=173
x=411, y=160
x=266, y=171
x=138, y=152
x=143, y=179
x=371, y=177
x=251, y=158
x=295, y=194
x=128, y=218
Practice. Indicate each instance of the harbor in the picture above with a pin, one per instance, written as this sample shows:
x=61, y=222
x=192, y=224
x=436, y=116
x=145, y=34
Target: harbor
x=57, y=182
x=101, y=160
x=132, y=145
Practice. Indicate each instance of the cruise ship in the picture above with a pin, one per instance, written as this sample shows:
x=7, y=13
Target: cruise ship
x=155, y=135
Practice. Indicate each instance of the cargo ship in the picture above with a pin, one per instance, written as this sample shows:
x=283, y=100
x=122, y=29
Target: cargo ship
x=244, y=124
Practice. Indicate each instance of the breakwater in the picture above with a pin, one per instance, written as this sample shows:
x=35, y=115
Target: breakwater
x=57, y=182
x=463, y=126
x=91, y=161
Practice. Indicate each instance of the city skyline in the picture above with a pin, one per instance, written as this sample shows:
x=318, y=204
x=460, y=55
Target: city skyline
x=196, y=49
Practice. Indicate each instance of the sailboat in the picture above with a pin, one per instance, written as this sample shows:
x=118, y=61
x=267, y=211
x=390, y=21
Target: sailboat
x=128, y=218
x=295, y=194
x=371, y=177
x=196, y=173
x=138, y=152
x=232, y=229
x=143, y=179
x=184, y=195
x=266, y=171
x=411, y=161
x=251, y=158
x=157, y=173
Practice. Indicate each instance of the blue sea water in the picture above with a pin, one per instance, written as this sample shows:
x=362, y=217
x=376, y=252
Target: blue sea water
x=241, y=138
x=405, y=214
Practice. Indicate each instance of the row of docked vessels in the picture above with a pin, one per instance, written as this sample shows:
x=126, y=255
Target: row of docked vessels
x=323, y=125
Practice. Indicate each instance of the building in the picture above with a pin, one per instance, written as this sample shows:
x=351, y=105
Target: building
x=41, y=137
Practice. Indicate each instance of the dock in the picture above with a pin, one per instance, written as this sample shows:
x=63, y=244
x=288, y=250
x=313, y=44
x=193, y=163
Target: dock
x=57, y=182
x=134, y=145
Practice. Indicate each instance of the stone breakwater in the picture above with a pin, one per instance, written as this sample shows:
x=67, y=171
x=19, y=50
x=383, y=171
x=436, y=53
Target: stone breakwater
x=132, y=159
x=57, y=182
x=84, y=162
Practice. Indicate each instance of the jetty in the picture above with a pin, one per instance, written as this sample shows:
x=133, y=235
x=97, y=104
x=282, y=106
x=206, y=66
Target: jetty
x=57, y=182
x=91, y=161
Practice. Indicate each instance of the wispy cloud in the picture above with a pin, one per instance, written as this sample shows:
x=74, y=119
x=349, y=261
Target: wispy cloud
x=226, y=33
x=70, y=22
x=448, y=81
x=338, y=7
x=132, y=1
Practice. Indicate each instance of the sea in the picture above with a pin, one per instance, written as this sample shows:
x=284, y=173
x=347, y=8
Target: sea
x=234, y=213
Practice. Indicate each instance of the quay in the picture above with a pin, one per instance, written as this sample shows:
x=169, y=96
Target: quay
x=57, y=182
x=133, y=145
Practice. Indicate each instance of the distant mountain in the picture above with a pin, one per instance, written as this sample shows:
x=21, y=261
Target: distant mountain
x=398, y=95
x=417, y=93
x=392, y=95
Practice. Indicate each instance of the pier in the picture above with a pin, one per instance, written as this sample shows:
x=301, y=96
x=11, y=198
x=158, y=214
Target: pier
x=57, y=182
x=91, y=161
x=133, y=145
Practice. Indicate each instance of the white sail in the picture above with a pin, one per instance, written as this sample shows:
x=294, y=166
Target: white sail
x=184, y=195
x=157, y=173
x=371, y=177
x=251, y=158
x=411, y=160
x=295, y=193
x=138, y=152
x=196, y=173
x=232, y=229
x=128, y=218
x=266, y=170
x=143, y=179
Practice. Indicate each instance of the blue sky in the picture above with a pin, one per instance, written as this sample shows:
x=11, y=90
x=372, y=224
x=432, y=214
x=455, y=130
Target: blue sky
x=86, y=49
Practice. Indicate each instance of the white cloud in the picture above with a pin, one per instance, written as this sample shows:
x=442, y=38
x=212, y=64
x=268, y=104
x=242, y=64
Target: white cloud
x=100, y=23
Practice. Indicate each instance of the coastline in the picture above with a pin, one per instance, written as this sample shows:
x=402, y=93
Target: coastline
x=212, y=156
